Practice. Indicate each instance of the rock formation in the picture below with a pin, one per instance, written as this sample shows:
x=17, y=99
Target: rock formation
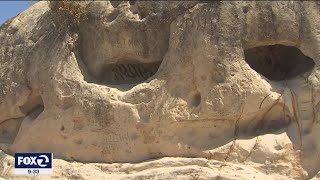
x=163, y=90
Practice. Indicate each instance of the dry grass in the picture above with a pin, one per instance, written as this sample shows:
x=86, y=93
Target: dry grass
x=71, y=9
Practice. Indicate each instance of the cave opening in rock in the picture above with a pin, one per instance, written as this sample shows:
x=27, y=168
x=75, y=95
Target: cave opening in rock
x=10, y=128
x=128, y=72
x=115, y=4
x=196, y=100
x=278, y=62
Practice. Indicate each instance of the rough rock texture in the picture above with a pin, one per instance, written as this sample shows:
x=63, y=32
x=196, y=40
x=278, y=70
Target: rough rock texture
x=225, y=90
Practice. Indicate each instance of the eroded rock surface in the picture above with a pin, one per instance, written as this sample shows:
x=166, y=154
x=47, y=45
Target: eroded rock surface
x=231, y=88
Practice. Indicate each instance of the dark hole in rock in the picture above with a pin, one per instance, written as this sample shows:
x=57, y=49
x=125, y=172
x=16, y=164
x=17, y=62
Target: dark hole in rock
x=128, y=72
x=115, y=3
x=278, y=62
x=245, y=9
x=143, y=13
x=36, y=112
x=134, y=10
x=132, y=2
x=9, y=129
x=32, y=109
x=196, y=100
x=34, y=106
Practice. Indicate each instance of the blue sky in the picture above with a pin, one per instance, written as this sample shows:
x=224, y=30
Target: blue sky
x=9, y=9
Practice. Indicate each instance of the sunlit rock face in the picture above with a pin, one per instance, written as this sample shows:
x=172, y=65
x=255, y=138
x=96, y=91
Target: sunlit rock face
x=221, y=85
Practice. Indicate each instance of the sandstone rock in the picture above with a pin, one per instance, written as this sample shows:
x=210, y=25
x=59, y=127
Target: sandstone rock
x=187, y=90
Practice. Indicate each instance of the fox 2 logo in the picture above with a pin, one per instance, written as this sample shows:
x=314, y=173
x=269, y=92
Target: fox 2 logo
x=33, y=160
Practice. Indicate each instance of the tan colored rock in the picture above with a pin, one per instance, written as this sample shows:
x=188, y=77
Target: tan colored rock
x=225, y=90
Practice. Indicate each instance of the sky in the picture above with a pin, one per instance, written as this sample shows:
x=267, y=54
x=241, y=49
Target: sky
x=9, y=9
